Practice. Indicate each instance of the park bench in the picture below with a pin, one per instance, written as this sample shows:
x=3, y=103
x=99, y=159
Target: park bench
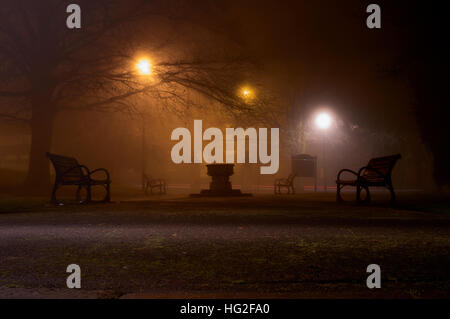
x=70, y=172
x=376, y=173
x=284, y=182
x=150, y=183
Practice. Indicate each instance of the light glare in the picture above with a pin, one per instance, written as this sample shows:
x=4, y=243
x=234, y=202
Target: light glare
x=323, y=121
x=246, y=93
x=144, y=67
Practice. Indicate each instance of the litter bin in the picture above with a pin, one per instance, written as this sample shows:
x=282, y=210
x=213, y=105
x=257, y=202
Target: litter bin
x=304, y=165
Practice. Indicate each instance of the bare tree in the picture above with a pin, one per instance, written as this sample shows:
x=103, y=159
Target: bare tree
x=47, y=68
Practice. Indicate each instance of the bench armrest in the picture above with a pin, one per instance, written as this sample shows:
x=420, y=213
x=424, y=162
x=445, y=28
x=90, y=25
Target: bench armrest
x=361, y=170
x=346, y=170
x=104, y=170
x=86, y=170
x=157, y=181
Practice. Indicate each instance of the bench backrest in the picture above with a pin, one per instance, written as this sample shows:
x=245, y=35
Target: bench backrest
x=67, y=169
x=291, y=177
x=383, y=165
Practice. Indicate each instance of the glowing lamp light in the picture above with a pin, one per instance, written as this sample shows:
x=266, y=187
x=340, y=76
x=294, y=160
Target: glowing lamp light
x=144, y=67
x=246, y=93
x=323, y=121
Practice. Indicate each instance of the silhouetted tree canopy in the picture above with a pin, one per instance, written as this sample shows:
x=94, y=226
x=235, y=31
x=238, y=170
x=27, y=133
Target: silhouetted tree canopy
x=48, y=68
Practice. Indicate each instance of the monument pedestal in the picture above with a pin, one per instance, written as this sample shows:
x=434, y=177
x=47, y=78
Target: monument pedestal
x=220, y=184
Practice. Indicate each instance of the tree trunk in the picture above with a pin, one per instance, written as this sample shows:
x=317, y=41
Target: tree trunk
x=38, y=179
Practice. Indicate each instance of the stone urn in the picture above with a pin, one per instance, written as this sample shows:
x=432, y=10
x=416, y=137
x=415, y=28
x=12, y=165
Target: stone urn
x=220, y=174
x=220, y=184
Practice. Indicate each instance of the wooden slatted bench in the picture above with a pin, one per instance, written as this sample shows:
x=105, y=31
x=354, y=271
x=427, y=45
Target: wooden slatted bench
x=376, y=173
x=284, y=182
x=70, y=172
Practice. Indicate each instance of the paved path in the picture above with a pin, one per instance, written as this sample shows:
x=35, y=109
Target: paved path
x=243, y=248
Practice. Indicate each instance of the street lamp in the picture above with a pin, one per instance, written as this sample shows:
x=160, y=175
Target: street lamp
x=144, y=66
x=323, y=122
x=246, y=93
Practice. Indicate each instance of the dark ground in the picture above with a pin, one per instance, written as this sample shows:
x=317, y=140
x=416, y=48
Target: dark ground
x=302, y=246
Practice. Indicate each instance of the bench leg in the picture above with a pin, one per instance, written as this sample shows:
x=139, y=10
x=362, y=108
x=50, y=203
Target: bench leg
x=78, y=194
x=359, y=188
x=368, y=199
x=88, y=196
x=108, y=193
x=144, y=183
x=53, y=199
x=391, y=189
x=338, y=193
x=358, y=193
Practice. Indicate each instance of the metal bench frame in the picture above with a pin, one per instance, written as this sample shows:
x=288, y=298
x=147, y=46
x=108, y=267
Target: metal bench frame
x=150, y=183
x=376, y=173
x=284, y=182
x=70, y=172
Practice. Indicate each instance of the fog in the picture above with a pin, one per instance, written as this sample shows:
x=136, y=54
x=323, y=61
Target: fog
x=116, y=141
x=306, y=57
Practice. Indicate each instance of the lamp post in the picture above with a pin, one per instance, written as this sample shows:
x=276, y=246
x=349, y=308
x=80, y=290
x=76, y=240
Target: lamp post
x=323, y=122
x=144, y=153
x=144, y=68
